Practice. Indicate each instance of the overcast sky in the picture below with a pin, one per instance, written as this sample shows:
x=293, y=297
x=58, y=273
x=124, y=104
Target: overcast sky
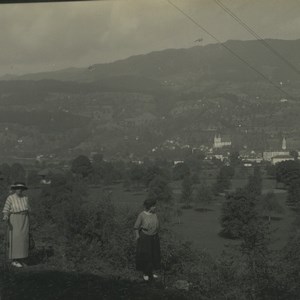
x=50, y=36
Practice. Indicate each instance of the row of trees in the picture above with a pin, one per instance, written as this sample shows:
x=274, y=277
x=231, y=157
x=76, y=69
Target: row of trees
x=200, y=192
x=91, y=234
x=262, y=270
x=99, y=170
x=288, y=174
x=248, y=205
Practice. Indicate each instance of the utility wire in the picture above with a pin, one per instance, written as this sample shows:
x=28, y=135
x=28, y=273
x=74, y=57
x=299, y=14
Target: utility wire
x=229, y=50
x=257, y=36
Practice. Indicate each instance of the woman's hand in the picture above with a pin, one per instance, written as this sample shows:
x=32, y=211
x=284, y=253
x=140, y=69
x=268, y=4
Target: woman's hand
x=136, y=234
x=5, y=218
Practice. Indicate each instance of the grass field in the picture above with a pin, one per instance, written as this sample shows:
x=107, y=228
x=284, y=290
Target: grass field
x=200, y=227
x=203, y=228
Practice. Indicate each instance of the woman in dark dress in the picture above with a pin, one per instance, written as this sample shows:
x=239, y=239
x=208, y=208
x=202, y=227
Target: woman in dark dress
x=148, y=246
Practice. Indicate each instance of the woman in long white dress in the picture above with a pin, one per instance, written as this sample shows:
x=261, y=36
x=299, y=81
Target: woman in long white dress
x=15, y=213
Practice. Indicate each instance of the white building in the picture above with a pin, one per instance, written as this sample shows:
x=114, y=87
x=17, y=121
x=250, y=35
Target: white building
x=280, y=158
x=219, y=143
x=268, y=155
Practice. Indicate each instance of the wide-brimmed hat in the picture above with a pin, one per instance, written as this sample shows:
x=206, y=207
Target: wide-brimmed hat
x=19, y=186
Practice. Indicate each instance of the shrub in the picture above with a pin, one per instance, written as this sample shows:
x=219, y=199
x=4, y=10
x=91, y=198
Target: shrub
x=238, y=211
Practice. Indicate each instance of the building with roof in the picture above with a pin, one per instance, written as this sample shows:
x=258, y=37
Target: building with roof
x=283, y=152
x=279, y=158
x=220, y=143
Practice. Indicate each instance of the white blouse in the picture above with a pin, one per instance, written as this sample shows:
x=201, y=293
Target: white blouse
x=16, y=204
x=147, y=222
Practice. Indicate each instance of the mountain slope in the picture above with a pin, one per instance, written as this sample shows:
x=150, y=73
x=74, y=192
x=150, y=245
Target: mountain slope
x=137, y=104
x=212, y=61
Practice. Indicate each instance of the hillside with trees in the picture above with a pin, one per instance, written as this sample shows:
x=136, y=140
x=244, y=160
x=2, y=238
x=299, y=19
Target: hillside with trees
x=133, y=106
x=83, y=231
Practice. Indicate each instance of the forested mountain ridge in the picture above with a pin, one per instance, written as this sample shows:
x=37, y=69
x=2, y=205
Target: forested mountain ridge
x=210, y=61
x=135, y=105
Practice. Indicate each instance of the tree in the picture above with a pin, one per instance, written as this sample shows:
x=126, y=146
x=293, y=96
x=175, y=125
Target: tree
x=97, y=165
x=234, y=158
x=254, y=184
x=288, y=268
x=287, y=171
x=269, y=204
x=187, y=191
x=33, y=178
x=159, y=190
x=204, y=196
x=241, y=219
x=223, y=179
x=294, y=154
x=127, y=183
x=60, y=188
x=151, y=172
x=109, y=173
x=4, y=189
x=81, y=165
x=293, y=197
x=178, y=213
x=87, y=223
x=195, y=178
x=6, y=173
x=238, y=211
x=17, y=172
x=256, y=258
x=98, y=158
x=180, y=170
x=194, y=162
x=136, y=173
x=271, y=170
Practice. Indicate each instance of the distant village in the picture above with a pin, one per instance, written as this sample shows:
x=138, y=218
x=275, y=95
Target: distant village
x=221, y=149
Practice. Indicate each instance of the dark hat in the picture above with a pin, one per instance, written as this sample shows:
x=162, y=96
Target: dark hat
x=19, y=186
x=149, y=203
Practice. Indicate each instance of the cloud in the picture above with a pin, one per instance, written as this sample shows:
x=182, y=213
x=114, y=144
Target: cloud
x=46, y=36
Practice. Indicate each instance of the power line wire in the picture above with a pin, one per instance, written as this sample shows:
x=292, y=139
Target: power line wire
x=228, y=49
x=257, y=36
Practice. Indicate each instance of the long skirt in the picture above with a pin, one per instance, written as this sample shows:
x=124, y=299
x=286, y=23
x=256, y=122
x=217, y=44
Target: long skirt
x=18, y=236
x=148, y=253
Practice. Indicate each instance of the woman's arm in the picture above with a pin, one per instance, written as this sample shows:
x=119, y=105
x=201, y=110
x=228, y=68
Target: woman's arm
x=28, y=205
x=6, y=209
x=137, y=234
x=137, y=226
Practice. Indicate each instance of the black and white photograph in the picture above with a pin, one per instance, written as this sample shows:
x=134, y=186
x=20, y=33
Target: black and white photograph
x=149, y=150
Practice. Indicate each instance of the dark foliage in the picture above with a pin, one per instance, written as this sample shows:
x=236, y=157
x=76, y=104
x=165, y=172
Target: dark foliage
x=223, y=180
x=82, y=166
x=288, y=171
x=187, y=190
x=254, y=185
x=180, y=171
x=238, y=212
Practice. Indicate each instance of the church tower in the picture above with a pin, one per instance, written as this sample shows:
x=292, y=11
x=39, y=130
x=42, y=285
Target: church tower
x=283, y=143
x=217, y=141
